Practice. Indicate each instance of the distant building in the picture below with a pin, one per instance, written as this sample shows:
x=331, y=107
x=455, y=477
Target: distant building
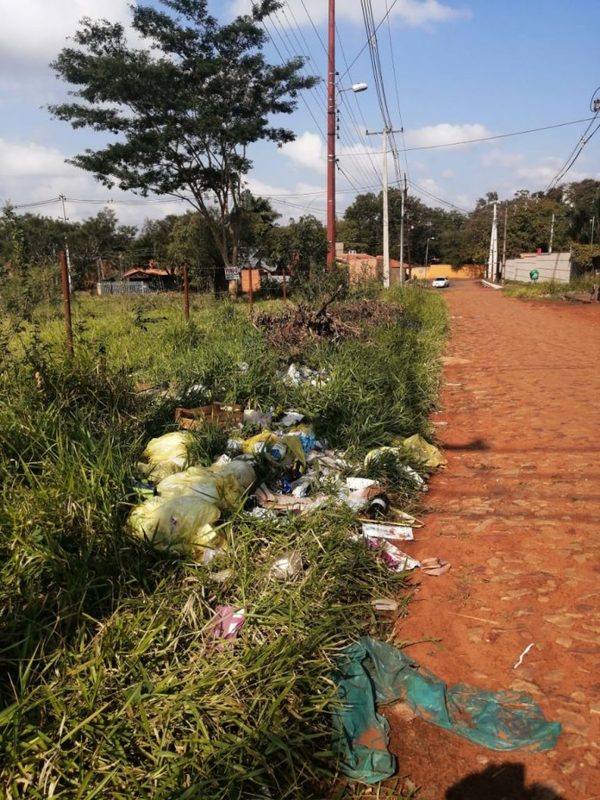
x=549, y=266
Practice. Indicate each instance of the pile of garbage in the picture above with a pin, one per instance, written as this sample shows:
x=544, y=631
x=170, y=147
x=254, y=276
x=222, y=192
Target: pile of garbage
x=284, y=469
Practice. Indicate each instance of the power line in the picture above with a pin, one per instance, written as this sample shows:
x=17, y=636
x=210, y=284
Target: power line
x=364, y=47
x=491, y=138
x=574, y=154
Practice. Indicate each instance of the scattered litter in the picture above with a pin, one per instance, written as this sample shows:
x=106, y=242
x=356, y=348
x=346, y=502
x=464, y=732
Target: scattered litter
x=291, y=418
x=216, y=414
x=222, y=576
x=287, y=566
x=392, y=557
x=387, y=530
x=384, y=604
x=362, y=493
x=298, y=375
x=371, y=672
x=427, y=454
x=435, y=566
x=227, y=622
x=253, y=417
x=286, y=502
x=281, y=450
x=523, y=654
x=382, y=453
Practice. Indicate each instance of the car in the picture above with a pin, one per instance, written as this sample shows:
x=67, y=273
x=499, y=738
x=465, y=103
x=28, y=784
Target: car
x=440, y=283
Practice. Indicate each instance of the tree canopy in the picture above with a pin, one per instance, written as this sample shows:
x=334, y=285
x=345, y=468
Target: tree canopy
x=182, y=108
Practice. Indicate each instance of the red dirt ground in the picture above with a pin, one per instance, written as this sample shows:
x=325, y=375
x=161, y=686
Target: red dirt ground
x=516, y=513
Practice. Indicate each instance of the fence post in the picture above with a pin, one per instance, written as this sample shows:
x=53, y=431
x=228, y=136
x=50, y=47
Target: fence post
x=64, y=273
x=284, y=288
x=186, y=293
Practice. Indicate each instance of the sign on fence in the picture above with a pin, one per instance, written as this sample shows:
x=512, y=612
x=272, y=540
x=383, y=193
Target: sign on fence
x=232, y=273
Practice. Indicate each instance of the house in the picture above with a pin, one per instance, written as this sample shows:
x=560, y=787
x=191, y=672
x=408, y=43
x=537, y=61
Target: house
x=155, y=278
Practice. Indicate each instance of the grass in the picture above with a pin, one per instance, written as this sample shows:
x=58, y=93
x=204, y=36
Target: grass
x=549, y=290
x=112, y=685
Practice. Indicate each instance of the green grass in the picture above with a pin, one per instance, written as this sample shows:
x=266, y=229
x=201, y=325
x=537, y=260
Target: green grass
x=111, y=685
x=549, y=290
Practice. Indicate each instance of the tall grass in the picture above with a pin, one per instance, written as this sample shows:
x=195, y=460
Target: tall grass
x=111, y=685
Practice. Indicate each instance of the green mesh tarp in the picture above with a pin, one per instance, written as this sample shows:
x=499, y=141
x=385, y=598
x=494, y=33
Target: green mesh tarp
x=371, y=672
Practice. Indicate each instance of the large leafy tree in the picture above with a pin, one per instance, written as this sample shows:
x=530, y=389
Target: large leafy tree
x=183, y=108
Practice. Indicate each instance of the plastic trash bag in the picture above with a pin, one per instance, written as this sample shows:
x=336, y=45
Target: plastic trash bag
x=371, y=672
x=427, y=454
x=181, y=525
x=282, y=450
x=221, y=484
x=167, y=454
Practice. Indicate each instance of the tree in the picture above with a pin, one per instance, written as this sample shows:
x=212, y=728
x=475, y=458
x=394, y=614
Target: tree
x=184, y=110
x=300, y=246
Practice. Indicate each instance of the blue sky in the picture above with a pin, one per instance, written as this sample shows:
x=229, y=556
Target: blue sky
x=464, y=69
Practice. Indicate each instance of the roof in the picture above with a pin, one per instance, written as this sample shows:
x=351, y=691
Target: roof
x=149, y=273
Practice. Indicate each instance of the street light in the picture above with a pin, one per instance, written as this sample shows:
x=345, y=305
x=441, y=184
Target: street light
x=332, y=113
x=429, y=239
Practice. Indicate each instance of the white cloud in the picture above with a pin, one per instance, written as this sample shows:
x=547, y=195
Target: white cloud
x=445, y=134
x=415, y=13
x=34, y=31
x=308, y=151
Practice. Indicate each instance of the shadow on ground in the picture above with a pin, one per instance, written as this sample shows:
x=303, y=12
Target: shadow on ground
x=500, y=782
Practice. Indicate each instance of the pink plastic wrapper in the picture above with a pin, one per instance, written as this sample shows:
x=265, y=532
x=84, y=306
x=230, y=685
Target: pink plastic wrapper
x=227, y=622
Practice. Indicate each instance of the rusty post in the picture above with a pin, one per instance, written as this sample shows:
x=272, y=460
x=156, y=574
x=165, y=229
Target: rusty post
x=186, y=293
x=284, y=288
x=64, y=274
x=251, y=280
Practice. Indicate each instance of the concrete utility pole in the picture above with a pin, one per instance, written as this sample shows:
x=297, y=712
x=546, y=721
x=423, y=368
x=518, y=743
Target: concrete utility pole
x=386, y=227
x=402, y=213
x=429, y=239
x=331, y=140
x=551, y=234
x=386, y=216
x=493, y=256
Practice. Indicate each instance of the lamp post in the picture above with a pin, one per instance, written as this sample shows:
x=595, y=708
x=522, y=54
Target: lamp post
x=331, y=137
x=429, y=239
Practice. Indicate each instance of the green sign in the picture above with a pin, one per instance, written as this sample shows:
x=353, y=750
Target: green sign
x=534, y=275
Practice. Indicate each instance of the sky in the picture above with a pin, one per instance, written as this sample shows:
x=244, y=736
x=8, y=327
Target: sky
x=453, y=70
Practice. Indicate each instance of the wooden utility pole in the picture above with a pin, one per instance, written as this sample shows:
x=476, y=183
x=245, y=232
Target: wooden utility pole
x=331, y=161
x=186, y=293
x=64, y=274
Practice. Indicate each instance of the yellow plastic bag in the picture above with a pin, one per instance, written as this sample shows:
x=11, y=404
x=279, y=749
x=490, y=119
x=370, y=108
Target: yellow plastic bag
x=264, y=442
x=182, y=525
x=167, y=454
x=428, y=454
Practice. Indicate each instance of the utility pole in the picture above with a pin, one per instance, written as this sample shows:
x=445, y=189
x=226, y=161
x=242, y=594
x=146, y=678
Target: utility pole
x=62, y=199
x=402, y=213
x=386, y=228
x=386, y=216
x=593, y=220
x=551, y=234
x=331, y=124
x=504, y=240
x=493, y=256
x=64, y=275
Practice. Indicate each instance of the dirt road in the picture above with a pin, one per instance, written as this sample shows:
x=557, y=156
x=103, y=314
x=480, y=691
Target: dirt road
x=517, y=514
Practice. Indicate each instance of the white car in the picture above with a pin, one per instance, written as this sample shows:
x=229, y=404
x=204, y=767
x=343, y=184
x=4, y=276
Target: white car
x=440, y=283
